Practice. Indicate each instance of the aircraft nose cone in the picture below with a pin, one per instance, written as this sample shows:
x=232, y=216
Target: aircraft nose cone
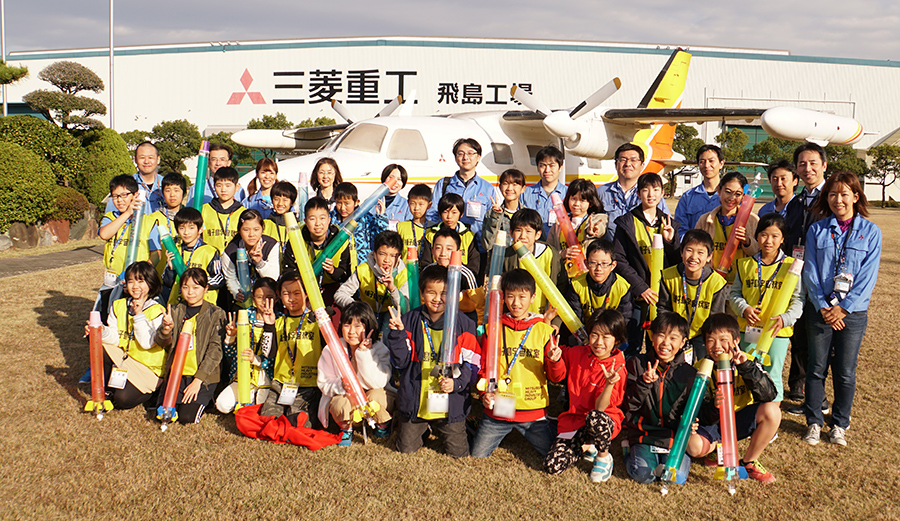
x=560, y=124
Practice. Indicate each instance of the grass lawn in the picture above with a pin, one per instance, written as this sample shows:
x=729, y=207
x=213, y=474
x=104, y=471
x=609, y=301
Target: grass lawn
x=62, y=463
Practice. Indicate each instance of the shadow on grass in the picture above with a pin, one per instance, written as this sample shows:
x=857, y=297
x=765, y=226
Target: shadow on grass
x=64, y=315
x=226, y=421
x=68, y=381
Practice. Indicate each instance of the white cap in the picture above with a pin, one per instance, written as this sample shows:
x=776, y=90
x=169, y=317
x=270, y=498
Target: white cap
x=796, y=267
x=142, y=195
x=495, y=282
x=163, y=231
x=95, y=319
x=657, y=241
x=500, y=238
x=554, y=197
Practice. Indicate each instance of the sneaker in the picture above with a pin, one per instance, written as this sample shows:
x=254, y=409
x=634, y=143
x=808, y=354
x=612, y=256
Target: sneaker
x=797, y=410
x=85, y=378
x=346, y=438
x=796, y=395
x=756, y=471
x=837, y=436
x=813, y=432
x=603, y=468
x=826, y=407
x=590, y=453
x=382, y=431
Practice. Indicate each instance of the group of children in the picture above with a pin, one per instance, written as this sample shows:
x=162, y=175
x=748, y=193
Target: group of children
x=632, y=375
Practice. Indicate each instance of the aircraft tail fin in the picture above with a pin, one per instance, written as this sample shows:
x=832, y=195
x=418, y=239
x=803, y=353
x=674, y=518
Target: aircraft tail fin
x=665, y=92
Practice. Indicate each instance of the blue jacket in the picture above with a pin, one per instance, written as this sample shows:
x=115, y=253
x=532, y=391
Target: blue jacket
x=260, y=203
x=209, y=192
x=863, y=256
x=397, y=211
x=407, y=350
x=368, y=227
x=692, y=205
x=155, y=199
x=477, y=190
x=616, y=203
x=536, y=198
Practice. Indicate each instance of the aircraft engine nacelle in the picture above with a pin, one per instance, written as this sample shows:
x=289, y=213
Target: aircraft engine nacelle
x=590, y=140
x=274, y=139
x=808, y=125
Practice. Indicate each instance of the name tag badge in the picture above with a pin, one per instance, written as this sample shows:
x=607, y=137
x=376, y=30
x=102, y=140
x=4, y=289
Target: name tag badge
x=438, y=403
x=843, y=282
x=658, y=450
x=118, y=378
x=288, y=394
x=552, y=219
x=505, y=405
x=474, y=209
x=797, y=252
x=109, y=279
x=392, y=225
x=752, y=334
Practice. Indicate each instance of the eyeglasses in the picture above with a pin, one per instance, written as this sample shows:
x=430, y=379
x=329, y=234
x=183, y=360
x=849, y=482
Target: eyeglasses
x=633, y=161
x=121, y=197
x=603, y=265
x=466, y=154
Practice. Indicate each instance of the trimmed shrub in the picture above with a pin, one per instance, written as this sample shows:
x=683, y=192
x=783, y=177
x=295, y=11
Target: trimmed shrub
x=107, y=157
x=70, y=205
x=60, y=149
x=27, y=187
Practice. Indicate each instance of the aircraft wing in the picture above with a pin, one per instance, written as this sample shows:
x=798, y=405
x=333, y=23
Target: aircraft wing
x=302, y=139
x=672, y=115
x=689, y=162
x=525, y=118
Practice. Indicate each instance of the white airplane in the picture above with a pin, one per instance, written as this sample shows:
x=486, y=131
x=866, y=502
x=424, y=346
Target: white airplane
x=510, y=139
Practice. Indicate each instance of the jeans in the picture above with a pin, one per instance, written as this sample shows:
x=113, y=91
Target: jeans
x=491, y=432
x=641, y=462
x=840, y=349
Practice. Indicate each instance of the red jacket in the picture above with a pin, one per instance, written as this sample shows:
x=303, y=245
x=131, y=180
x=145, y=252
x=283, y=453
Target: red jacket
x=585, y=383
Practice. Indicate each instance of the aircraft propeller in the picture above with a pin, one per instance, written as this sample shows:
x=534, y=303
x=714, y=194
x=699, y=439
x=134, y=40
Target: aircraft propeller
x=561, y=123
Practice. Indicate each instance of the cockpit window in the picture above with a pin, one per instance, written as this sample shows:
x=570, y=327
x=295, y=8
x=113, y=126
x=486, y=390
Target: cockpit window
x=365, y=137
x=407, y=143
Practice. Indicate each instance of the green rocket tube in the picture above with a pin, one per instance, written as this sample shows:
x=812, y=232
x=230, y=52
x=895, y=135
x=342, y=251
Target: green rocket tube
x=169, y=244
x=345, y=231
x=200, y=179
x=667, y=471
x=243, y=272
x=137, y=221
x=412, y=277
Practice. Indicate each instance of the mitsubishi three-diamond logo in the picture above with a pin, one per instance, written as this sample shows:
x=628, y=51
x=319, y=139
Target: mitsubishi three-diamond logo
x=237, y=97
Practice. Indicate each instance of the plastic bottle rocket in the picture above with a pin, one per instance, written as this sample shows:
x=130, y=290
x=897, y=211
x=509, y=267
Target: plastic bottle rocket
x=728, y=447
x=778, y=305
x=576, y=266
x=137, y=225
x=302, y=193
x=449, y=364
x=656, y=269
x=244, y=374
x=667, y=472
x=412, y=277
x=98, y=404
x=169, y=244
x=491, y=382
x=167, y=413
x=751, y=192
x=563, y=309
x=200, y=179
x=362, y=407
x=243, y=272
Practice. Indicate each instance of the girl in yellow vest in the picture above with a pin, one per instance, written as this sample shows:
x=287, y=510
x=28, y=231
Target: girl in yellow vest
x=586, y=213
x=719, y=222
x=201, y=366
x=756, y=282
x=133, y=362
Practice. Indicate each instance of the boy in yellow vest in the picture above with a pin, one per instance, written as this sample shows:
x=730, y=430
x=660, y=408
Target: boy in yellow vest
x=293, y=344
x=693, y=290
x=201, y=366
x=380, y=281
x=451, y=207
x=283, y=196
x=195, y=254
x=173, y=188
x=522, y=367
x=599, y=288
x=527, y=227
x=220, y=216
x=413, y=231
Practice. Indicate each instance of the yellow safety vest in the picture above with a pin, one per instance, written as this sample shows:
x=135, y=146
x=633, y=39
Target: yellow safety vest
x=155, y=357
x=644, y=238
x=528, y=381
x=412, y=235
x=336, y=258
x=190, y=361
x=465, y=235
x=218, y=229
x=591, y=302
x=430, y=383
x=116, y=247
x=719, y=241
x=200, y=258
x=750, y=286
x=373, y=292
x=580, y=233
x=545, y=261
x=742, y=395
x=158, y=219
x=306, y=343
x=684, y=304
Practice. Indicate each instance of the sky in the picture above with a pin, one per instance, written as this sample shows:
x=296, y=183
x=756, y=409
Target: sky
x=861, y=29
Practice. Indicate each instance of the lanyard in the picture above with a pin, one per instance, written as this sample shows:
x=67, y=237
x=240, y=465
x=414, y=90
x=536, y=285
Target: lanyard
x=140, y=179
x=764, y=287
x=841, y=253
x=430, y=341
x=510, y=365
x=719, y=219
x=382, y=298
x=293, y=354
x=124, y=233
x=191, y=256
x=603, y=305
x=227, y=225
x=128, y=319
x=684, y=285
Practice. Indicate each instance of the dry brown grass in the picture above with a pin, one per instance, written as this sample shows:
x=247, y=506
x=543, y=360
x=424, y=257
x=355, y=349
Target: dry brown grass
x=61, y=463
x=53, y=248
